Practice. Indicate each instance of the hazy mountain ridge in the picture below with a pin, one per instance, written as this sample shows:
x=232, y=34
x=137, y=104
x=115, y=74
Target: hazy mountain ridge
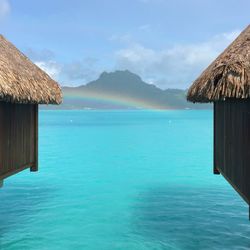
x=124, y=90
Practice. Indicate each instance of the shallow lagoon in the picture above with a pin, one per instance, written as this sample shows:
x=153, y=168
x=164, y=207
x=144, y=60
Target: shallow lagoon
x=123, y=180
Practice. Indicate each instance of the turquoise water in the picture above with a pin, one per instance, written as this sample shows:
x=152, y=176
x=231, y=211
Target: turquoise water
x=123, y=180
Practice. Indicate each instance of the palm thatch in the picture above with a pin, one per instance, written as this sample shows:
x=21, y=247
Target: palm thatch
x=228, y=76
x=21, y=81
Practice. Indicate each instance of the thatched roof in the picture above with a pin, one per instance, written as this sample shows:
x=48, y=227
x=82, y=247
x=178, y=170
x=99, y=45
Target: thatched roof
x=228, y=76
x=21, y=81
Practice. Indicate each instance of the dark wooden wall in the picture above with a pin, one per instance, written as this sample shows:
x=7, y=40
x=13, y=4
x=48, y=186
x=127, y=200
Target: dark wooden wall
x=18, y=138
x=232, y=143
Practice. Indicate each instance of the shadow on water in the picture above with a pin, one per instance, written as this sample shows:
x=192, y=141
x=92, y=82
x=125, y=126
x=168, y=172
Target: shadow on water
x=19, y=203
x=189, y=218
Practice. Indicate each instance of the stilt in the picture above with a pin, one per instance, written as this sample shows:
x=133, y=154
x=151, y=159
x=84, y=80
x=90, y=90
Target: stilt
x=34, y=168
x=216, y=171
x=249, y=213
x=1, y=183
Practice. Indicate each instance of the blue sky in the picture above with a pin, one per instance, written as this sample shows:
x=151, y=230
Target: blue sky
x=167, y=42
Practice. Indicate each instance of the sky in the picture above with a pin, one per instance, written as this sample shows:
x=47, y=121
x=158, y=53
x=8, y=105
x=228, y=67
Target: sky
x=167, y=42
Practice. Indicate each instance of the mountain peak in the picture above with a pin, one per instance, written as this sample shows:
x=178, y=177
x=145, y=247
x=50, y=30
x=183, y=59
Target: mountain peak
x=125, y=90
x=120, y=74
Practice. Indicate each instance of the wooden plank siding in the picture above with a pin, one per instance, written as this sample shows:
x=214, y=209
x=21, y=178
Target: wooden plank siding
x=18, y=138
x=232, y=143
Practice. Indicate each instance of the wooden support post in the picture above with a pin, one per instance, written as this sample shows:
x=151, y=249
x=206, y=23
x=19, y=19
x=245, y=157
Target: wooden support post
x=249, y=213
x=215, y=170
x=34, y=168
x=1, y=183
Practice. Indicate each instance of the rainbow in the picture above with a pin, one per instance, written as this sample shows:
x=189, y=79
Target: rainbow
x=115, y=99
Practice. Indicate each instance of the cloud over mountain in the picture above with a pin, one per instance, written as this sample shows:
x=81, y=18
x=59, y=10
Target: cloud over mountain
x=170, y=67
x=176, y=66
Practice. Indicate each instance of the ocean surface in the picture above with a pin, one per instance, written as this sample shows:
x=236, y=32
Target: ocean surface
x=123, y=180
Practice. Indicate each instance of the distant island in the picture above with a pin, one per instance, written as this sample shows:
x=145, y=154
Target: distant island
x=123, y=90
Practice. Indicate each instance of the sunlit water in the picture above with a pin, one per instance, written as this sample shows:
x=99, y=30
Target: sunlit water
x=123, y=180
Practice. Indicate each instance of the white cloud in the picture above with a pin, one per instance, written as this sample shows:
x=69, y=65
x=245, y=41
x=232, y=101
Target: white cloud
x=4, y=8
x=69, y=73
x=52, y=68
x=80, y=72
x=174, y=67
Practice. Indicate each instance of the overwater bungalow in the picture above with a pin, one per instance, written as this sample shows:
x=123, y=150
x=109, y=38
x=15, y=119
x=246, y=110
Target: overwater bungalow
x=226, y=83
x=23, y=86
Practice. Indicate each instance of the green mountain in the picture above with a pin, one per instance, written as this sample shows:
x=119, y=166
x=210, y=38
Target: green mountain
x=124, y=90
